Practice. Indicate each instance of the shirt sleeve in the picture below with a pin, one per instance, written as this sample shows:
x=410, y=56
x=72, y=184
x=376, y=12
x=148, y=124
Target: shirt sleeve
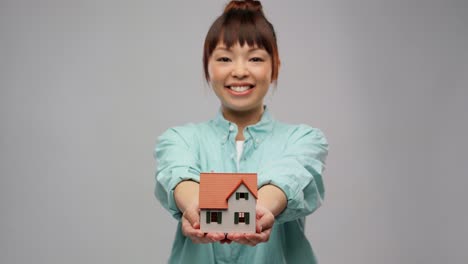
x=176, y=162
x=298, y=172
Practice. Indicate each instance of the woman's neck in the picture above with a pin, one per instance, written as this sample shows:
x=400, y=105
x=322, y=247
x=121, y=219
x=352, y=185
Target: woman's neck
x=243, y=119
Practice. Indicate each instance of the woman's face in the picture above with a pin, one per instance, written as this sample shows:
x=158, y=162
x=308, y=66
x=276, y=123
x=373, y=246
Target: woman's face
x=240, y=76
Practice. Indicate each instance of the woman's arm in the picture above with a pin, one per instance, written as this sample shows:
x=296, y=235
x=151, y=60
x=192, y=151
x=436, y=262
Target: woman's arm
x=186, y=195
x=292, y=185
x=298, y=172
x=272, y=198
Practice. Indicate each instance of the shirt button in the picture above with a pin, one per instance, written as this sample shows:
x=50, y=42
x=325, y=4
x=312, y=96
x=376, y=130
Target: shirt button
x=231, y=128
x=257, y=140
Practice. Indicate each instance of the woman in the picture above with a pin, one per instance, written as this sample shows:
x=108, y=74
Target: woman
x=241, y=61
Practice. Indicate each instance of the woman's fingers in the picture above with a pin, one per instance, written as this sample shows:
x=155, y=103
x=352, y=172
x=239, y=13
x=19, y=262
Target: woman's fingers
x=264, y=225
x=191, y=229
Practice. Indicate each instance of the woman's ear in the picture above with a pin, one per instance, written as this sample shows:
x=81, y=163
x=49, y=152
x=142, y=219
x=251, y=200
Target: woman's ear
x=206, y=76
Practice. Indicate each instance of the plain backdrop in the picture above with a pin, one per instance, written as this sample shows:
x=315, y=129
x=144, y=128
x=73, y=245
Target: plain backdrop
x=87, y=86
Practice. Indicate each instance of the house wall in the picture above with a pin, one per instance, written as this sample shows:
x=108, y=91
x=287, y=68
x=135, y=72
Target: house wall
x=227, y=225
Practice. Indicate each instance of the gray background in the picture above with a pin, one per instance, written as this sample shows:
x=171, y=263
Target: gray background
x=87, y=86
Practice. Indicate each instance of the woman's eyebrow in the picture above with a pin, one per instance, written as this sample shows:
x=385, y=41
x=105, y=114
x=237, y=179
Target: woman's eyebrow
x=250, y=50
x=255, y=49
x=222, y=48
x=258, y=50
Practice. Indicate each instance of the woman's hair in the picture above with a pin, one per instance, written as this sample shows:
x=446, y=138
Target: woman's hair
x=242, y=21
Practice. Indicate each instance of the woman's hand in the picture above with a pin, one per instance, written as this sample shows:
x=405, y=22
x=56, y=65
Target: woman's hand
x=271, y=202
x=265, y=221
x=191, y=227
x=186, y=195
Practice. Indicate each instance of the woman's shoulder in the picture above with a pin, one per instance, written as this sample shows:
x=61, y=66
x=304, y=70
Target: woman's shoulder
x=188, y=130
x=298, y=130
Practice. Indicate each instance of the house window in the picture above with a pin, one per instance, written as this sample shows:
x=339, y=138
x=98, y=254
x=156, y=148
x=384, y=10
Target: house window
x=215, y=217
x=242, y=195
x=241, y=217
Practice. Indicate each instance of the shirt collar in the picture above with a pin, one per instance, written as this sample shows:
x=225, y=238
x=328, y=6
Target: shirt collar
x=256, y=132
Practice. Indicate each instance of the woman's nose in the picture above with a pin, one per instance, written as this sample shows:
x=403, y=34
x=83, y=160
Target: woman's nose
x=240, y=71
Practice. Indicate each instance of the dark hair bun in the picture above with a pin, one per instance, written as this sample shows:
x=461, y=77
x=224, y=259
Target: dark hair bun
x=247, y=5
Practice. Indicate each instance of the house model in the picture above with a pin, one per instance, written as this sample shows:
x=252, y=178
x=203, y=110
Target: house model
x=227, y=202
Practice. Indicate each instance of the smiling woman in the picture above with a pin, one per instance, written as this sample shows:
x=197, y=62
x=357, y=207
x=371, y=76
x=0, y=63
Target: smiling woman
x=241, y=61
x=240, y=76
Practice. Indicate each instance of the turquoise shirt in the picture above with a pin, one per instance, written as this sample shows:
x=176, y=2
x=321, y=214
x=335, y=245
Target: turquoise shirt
x=291, y=157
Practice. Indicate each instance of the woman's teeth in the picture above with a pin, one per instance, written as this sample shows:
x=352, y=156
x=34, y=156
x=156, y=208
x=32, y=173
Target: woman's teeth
x=239, y=88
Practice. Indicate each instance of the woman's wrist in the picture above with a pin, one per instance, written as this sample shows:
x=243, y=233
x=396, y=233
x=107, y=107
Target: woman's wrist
x=272, y=198
x=186, y=195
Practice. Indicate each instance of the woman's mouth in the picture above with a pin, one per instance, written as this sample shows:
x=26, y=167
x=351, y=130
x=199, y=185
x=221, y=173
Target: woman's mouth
x=240, y=89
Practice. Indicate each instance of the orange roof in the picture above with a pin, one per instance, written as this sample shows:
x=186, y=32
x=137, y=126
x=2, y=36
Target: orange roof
x=216, y=188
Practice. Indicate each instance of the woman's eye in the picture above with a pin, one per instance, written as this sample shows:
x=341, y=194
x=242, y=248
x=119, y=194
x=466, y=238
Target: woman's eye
x=256, y=59
x=223, y=59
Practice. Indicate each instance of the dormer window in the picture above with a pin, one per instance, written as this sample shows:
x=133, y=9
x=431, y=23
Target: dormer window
x=242, y=195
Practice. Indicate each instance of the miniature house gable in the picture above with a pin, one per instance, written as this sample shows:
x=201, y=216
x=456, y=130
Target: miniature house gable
x=227, y=202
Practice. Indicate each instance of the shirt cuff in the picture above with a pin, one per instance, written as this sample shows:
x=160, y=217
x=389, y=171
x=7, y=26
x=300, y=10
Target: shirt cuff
x=177, y=176
x=299, y=187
